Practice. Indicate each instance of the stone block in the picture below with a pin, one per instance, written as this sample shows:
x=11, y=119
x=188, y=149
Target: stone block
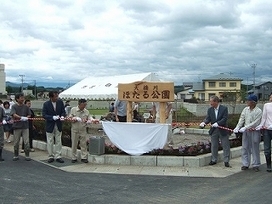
x=35, y=143
x=192, y=161
x=96, y=159
x=235, y=152
x=170, y=161
x=42, y=145
x=117, y=159
x=143, y=160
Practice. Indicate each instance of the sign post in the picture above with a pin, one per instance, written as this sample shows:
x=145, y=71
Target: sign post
x=142, y=91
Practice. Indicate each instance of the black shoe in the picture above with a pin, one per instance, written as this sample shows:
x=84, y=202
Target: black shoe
x=60, y=160
x=74, y=160
x=50, y=160
x=84, y=160
x=227, y=164
x=212, y=163
x=27, y=159
x=269, y=170
x=256, y=169
x=15, y=158
x=244, y=167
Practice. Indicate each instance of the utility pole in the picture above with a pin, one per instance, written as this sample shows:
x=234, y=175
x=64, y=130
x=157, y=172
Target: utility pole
x=253, y=66
x=35, y=89
x=22, y=79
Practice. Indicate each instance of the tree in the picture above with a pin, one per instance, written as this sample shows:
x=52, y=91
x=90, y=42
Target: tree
x=9, y=89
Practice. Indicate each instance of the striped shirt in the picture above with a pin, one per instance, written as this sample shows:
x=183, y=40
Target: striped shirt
x=250, y=118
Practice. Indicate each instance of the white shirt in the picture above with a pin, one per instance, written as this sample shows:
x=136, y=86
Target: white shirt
x=267, y=115
x=216, y=111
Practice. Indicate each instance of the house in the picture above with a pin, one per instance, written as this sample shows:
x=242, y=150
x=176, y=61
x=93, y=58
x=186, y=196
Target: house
x=222, y=85
x=186, y=93
x=262, y=90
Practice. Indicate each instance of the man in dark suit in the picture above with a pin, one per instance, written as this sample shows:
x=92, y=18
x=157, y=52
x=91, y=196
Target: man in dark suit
x=217, y=115
x=54, y=112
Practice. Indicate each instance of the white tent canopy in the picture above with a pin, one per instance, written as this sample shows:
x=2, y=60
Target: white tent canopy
x=103, y=87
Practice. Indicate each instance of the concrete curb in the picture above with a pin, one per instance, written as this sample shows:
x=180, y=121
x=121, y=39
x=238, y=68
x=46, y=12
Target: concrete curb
x=147, y=160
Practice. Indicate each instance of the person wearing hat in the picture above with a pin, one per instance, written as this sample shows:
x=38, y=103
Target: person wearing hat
x=266, y=125
x=249, y=119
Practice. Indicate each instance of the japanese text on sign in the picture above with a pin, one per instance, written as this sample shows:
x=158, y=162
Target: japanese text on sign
x=146, y=91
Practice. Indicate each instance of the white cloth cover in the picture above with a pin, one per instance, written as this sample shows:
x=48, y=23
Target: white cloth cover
x=136, y=138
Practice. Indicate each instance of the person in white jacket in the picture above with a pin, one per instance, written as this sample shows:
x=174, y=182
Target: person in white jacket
x=266, y=125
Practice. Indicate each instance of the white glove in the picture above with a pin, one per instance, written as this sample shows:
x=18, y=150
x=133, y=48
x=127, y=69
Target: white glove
x=78, y=119
x=269, y=127
x=258, y=127
x=215, y=125
x=62, y=118
x=55, y=117
x=236, y=130
x=4, y=122
x=202, y=124
x=89, y=121
x=23, y=118
x=243, y=129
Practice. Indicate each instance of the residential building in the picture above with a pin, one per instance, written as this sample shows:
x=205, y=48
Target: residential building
x=262, y=90
x=225, y=86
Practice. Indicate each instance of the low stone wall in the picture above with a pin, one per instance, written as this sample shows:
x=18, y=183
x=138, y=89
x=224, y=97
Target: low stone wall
x=147, y=160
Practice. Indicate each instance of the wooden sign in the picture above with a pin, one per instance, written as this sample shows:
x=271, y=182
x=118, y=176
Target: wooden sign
x=142, y=91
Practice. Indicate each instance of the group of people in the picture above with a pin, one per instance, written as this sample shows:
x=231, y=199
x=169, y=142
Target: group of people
x=53, y=112
x=9, y=113
x=252, y=120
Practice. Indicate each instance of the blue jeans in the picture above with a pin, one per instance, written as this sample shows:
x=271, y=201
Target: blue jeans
x=267, y=137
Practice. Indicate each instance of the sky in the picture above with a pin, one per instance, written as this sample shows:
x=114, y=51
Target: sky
x=179, y=40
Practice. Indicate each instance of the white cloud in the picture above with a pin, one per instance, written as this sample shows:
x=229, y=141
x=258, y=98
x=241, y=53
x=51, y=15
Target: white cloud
x=179, y=40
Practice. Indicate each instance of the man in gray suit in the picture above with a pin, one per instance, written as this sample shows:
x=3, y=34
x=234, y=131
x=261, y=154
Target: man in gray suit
x=217, y=115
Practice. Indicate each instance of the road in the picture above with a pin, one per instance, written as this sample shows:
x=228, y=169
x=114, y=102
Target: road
x=37, y=182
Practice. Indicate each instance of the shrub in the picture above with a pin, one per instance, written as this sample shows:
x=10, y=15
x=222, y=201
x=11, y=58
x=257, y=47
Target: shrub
x=192, y=150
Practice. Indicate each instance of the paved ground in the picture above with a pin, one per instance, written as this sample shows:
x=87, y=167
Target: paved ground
x=38, y=182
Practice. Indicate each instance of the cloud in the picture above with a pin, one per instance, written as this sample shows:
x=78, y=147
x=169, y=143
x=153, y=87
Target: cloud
x=178, y=40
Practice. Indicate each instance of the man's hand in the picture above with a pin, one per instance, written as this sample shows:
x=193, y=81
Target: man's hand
x=55, y=117
x=236, y=130
x=89, y=121
x=243, y=129
x=78, y=119
x=258, y=127
x=23, y=118
x=202, y=125
x=215, y=125
x=62, y=118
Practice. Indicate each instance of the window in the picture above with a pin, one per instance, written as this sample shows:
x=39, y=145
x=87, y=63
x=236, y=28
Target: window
x=211, y=84
x=232, y=84
x=201, y=96
x=222, y=84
